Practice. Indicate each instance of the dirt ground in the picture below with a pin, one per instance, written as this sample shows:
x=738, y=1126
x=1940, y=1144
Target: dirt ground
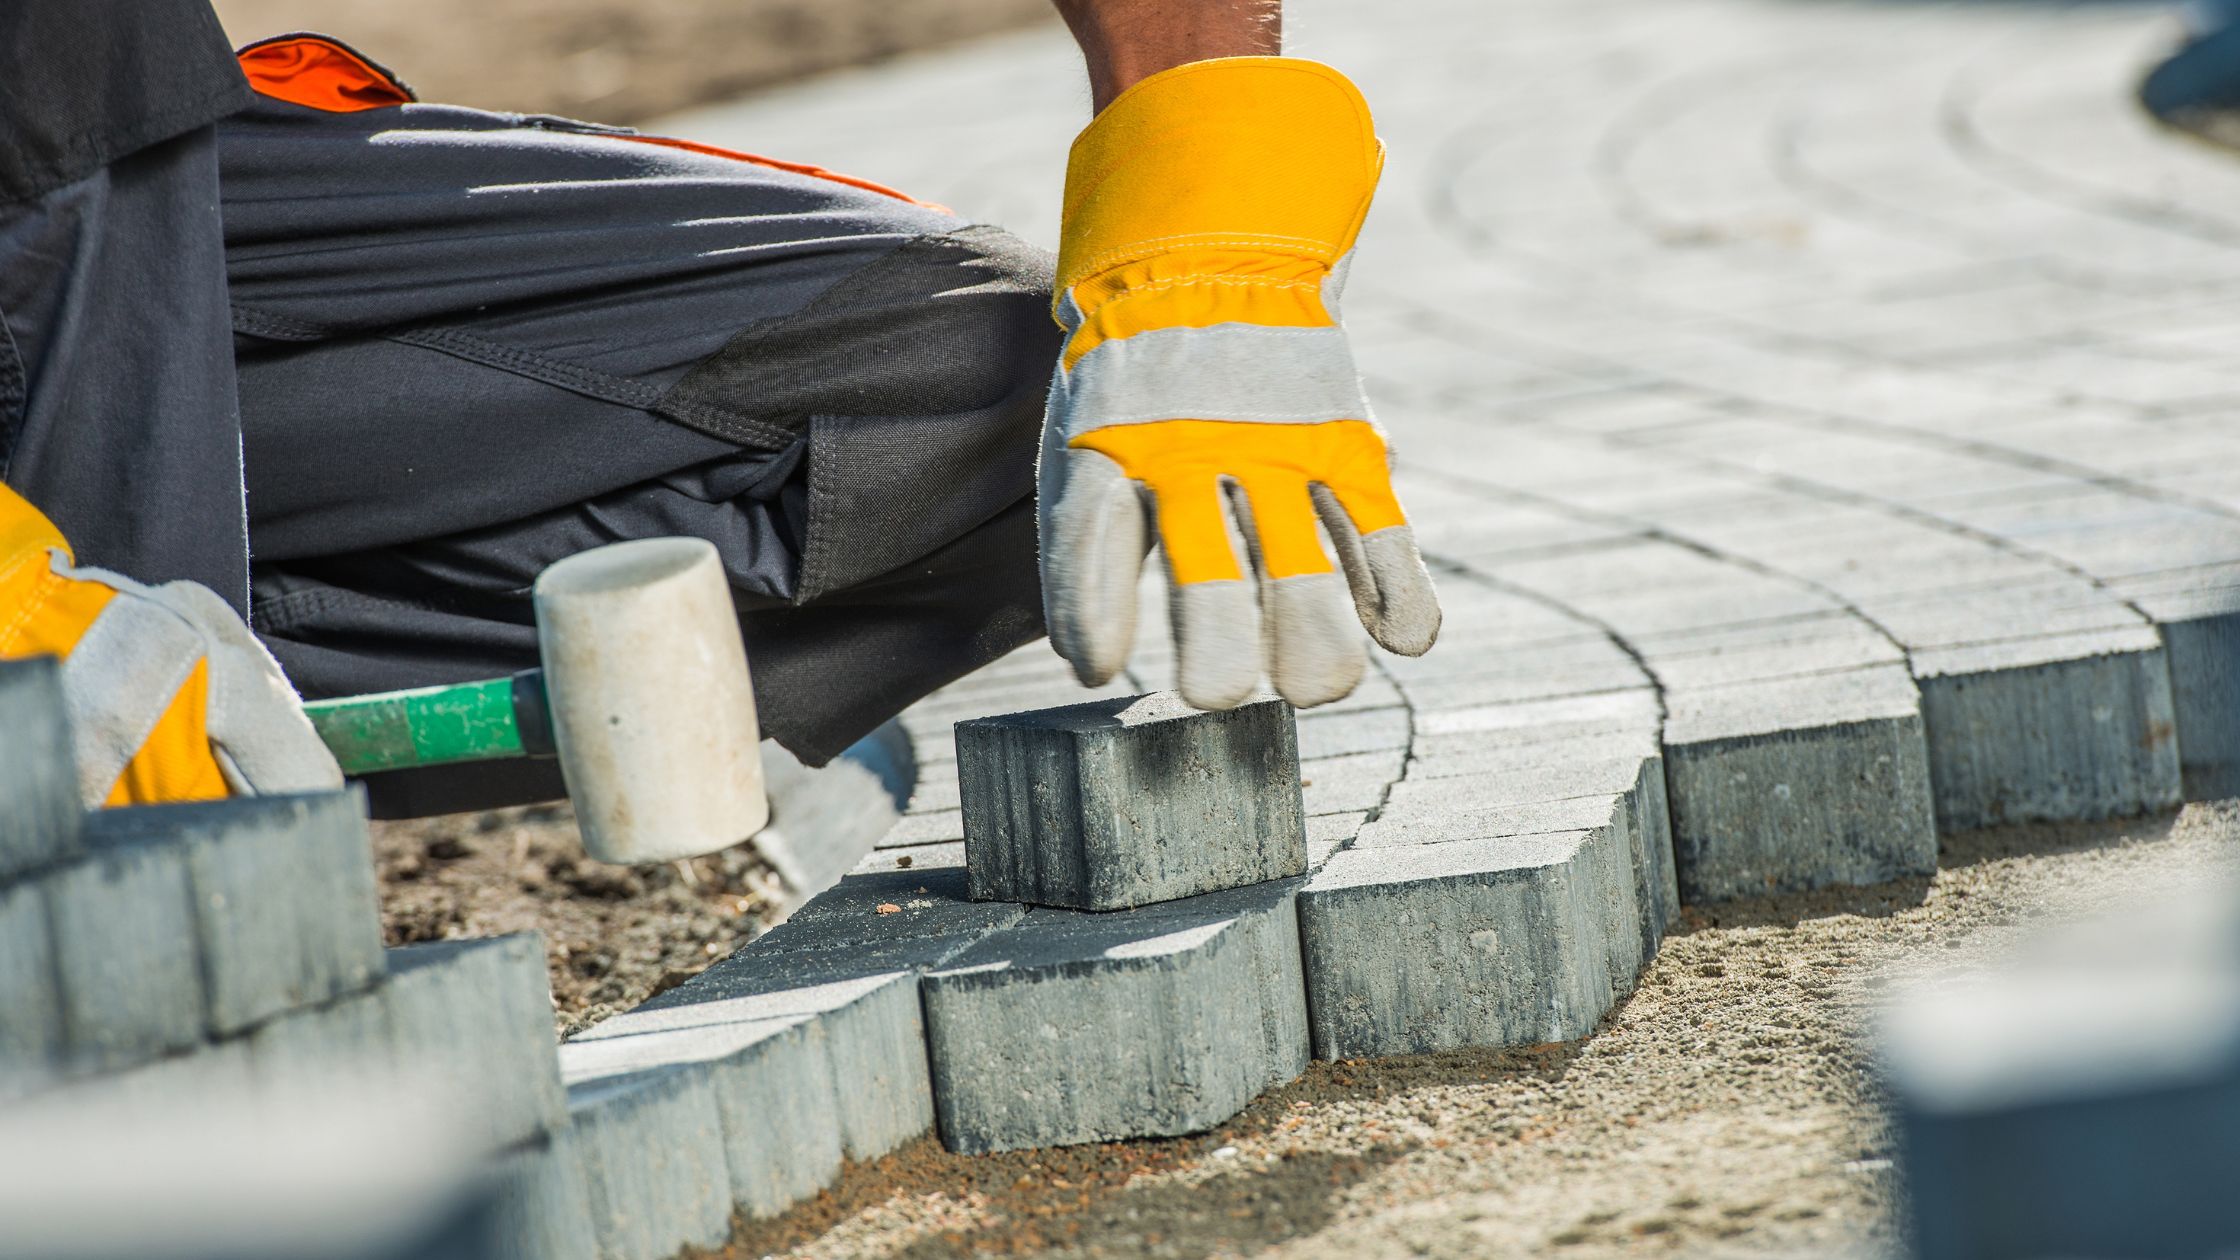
x=614, y=936
x=1726, y=1109
x=616, y=61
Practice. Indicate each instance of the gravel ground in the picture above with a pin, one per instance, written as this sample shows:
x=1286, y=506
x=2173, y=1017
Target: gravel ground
x=1727, y=1108
x=616, y=61
x=614, y=936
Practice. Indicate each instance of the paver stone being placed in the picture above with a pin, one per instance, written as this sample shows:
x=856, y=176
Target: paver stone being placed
x=1121, y=803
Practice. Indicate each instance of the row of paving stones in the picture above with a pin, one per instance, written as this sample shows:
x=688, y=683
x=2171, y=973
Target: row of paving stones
x=231, y=950
x=1804, y=476
x=1754, y=577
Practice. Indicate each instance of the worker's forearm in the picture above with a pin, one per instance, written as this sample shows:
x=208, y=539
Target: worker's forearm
x=1127, y=40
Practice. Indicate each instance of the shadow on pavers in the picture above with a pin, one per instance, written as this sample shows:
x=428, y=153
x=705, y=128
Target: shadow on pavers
x=1030, y=1201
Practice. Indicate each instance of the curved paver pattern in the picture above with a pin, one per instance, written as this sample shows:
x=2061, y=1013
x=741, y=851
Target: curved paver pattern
x=1817, y=416
x=1814, y=416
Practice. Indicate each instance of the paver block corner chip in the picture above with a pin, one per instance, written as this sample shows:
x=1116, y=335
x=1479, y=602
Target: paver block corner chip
x=1121, y=803
x=39, y=809
x=1074, y=1027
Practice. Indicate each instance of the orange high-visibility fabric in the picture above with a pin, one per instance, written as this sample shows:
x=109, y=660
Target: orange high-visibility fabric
x=43, y=613
x=308, y=70
x=780, y=164
x=1183, y=463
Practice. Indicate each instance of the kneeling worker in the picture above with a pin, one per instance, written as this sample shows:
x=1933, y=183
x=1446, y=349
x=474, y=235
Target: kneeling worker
x=288, y=349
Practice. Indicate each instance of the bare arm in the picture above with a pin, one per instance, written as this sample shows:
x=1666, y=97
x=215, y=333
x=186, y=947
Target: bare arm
x=1127, y=40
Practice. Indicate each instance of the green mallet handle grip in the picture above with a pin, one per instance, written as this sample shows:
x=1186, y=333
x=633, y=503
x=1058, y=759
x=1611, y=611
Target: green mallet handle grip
x=435, y=726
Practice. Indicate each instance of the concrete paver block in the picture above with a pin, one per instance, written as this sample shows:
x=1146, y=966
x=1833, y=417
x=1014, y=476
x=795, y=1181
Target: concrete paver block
x=346, y=1045
x=2205, y=689
x=31, y=1033
x=39, y=808
x=285, y=914
x=2077, y=1098
x=2047, y=729
x=475, y=1019
x=1073, y=1027
x=773, y=1090
x=1505, y=940
x=654, y=1171
x=124, y=934
x=542, y=1209
x=842, y=962
x=1798, y=784
x=1123, y=803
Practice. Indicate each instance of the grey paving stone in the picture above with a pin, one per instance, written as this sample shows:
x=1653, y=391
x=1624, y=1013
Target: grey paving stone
x=1338, y=785
x=542, y=1209
x=652, y=1152
x=474, y=1018
x=1074, y=1027
x=1328, y=833
x=1340, y=734
x=39, y=807
x=2067, y=726
x=2200, y=627
x=124, y=934
x=854, y=969
x=1422, y=821
x=345, y=1047
x=2077, y=1098
x=31, y=1034
x=1123, y=803
x=1799, y=784
x=285, y=911
x=773, y=1087
x=1491, y=942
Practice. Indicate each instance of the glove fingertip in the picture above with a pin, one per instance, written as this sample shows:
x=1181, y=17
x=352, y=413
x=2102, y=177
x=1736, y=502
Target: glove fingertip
x=1217, y=644
x=1406, y=617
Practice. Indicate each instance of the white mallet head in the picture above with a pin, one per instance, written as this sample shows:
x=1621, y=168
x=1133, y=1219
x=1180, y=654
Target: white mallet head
x=652, y=711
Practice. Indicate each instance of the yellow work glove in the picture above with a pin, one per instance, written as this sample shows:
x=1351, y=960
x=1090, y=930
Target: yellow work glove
x=170, y=697
x=1209, y=215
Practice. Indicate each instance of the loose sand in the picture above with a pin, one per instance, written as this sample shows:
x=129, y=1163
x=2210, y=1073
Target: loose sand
x=1727, y=1108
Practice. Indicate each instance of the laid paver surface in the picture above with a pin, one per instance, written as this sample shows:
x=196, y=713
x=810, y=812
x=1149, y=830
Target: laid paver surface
x=1827, y=400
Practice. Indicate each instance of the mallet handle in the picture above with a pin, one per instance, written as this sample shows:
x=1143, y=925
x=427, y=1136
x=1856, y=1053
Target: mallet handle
x=432, y=726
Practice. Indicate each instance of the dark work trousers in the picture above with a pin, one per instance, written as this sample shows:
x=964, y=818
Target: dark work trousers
x=470, y=344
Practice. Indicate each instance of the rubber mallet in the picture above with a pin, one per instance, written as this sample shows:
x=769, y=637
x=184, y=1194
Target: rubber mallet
x=644, y=697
